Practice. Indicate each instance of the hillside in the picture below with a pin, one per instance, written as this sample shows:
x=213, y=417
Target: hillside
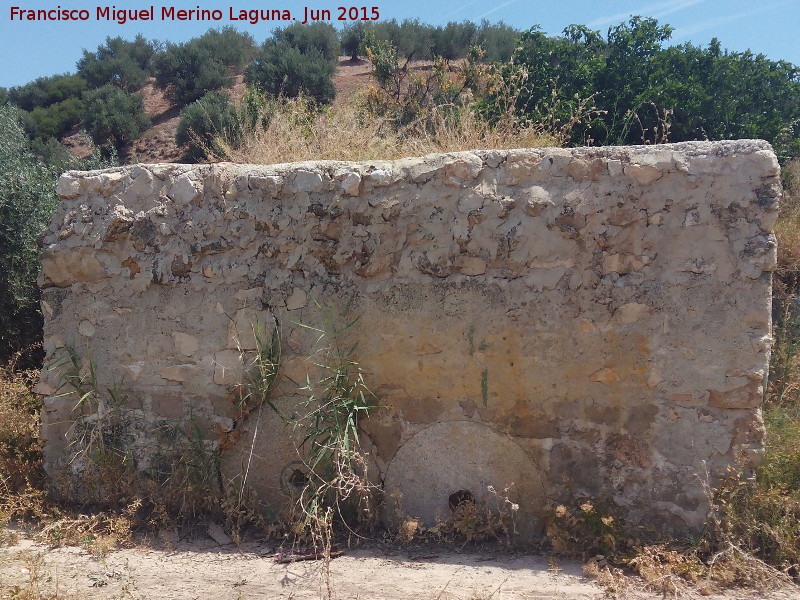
x=157, y=143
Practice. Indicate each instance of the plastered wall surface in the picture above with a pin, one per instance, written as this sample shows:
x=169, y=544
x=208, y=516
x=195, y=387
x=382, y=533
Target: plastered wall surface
x=587, y=322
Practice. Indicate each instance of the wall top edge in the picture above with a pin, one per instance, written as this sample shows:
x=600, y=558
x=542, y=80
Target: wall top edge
x=719, y=149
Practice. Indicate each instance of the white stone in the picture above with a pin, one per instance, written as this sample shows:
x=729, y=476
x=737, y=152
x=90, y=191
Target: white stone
x=351, y=184
x=68, y=187
x=86, y=328
x=185, y=190
x=308, y=181
x=380, y=177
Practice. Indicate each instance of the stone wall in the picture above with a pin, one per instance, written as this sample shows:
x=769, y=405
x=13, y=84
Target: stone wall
x=587, y=322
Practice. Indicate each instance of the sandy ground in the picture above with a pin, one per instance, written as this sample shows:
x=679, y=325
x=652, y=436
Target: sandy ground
x=205, y=570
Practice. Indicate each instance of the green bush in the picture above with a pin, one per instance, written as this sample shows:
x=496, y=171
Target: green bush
x=306, y=38
x=3, y=95
x=414, y=40
x=186, y=72
x=44, y=91
x=205, y=121
x=52, y=152
x=28, y=174
x=352, y=37
x=418, y=41
x=113, y=116
x=497, y=40
x=643, y=92
x=56, y=119
x=227, y=45
x=123, y=63
x=453, y=40
x=27, y=200
x=281, y=69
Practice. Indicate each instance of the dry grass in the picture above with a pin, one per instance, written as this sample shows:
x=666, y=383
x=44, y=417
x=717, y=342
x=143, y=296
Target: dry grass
x=20, y=452
x=346, y=132
x=787, y=229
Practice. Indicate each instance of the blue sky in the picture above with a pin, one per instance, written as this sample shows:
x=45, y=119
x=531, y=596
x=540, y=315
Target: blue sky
x=33, y=49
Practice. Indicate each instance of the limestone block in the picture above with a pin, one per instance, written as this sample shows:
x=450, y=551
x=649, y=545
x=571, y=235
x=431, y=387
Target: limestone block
x=65, y=268
x=185, y=343
x=749, y=395
x=269, y=456
x=183, y=372
x=643, y=174
x=381, y=177
x=351, y=184
x=185, y=190
x=308, y=181
x=470, y=265
x=270, y=184
x=86, y=328
x=134, y=369
x=248, y=329
x=68, y=187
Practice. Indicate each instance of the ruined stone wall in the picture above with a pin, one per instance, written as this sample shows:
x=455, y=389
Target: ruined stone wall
x=589, y=322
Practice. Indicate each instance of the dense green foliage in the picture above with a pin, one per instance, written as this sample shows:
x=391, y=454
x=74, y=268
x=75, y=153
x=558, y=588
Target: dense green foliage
x=56, y=119
x=28, y=174
x=497, y=40
x=123, y=63
x=232, y=48
x=314, y=36
x=27, y=200
x=645, y=93
x=619, y=88
x=53, y=104
x=186, y=72
x=44, y=91
x=284, y=70
x=204, y=122
x=113, y=116
x=298, y=59
x=414, y=40
x=352, y=36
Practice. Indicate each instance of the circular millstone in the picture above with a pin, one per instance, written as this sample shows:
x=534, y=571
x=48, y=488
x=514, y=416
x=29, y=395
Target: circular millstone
x=268, y=463
x=461, y=455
